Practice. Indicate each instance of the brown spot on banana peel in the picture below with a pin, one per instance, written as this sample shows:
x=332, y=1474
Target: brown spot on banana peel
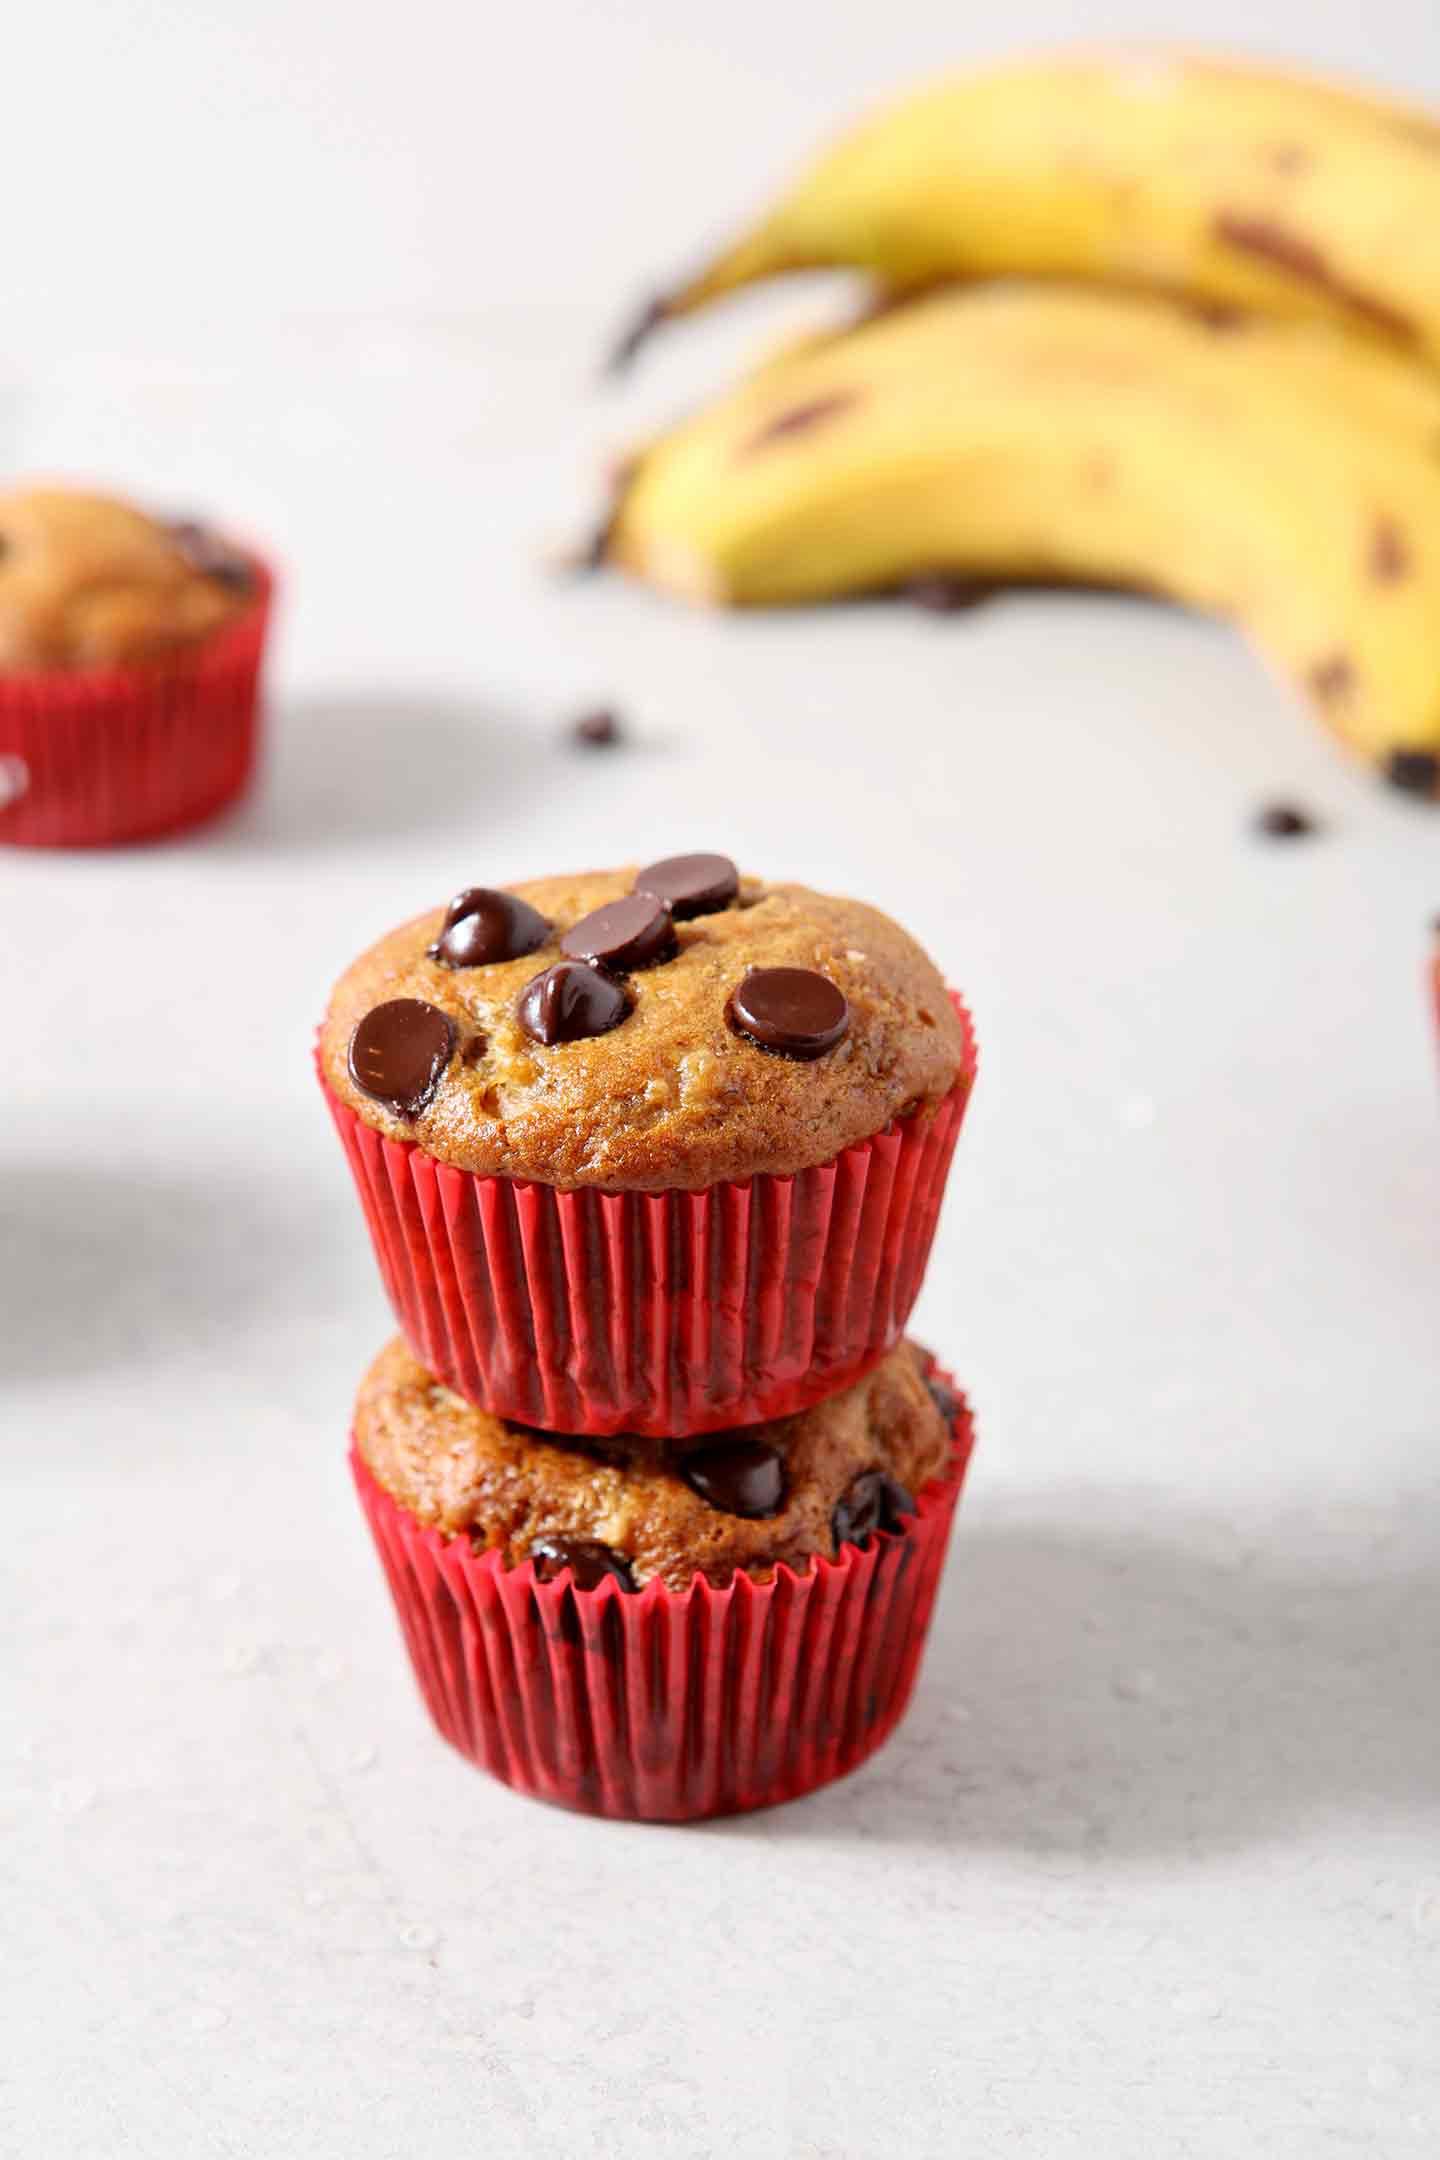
x=1218, y=315
x=1332, y=678
x=1288, y=158
x=1390, y=557
x=943, y=592
x=1419, y=129
x=954, y=592
x=799, y=420
x=1270, y=242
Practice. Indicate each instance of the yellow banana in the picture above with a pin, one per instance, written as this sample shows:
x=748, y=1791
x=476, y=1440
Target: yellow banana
x=1278, y=474
x=1230, y=183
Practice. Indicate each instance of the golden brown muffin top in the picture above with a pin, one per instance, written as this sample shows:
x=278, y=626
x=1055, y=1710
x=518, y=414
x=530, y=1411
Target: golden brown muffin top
x=636, y=1508
x=674, y=1093
x=89, y=582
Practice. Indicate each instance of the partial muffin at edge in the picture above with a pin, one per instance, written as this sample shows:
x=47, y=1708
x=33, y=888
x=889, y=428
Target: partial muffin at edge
x=868, y=1450
x=675, y=1096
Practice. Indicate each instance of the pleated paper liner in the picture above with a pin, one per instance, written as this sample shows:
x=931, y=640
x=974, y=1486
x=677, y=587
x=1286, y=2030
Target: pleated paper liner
x=107, y=755
x=662, y=1314
x=663, y=1705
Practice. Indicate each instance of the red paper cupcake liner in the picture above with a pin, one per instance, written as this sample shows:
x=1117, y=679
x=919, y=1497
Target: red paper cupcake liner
x=661, y=1314
x=663, y=1705
x=115, y=754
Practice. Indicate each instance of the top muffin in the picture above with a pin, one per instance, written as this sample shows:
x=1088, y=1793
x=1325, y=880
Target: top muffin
x=89, y=582
x=642, y=1030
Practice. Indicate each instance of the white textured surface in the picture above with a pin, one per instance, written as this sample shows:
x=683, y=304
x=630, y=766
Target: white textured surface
x=1153, y=1868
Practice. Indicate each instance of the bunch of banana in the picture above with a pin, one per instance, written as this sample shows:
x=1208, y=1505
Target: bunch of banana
x=1264, y=471
x=1236, y=408
x=1231, y=184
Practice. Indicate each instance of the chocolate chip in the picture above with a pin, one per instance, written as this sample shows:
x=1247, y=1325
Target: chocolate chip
x=739, y=1477
x=791, y=1012
x=597, y=729
x=1414, y=772
x=635, y=932
x=1282, y=821
x=946, y=1401
x=875, y=1501
x=691, y=884
x=399, y=1051
x=482, y=926
x=213, y=557
x=570, y=1001
x=589, y=1561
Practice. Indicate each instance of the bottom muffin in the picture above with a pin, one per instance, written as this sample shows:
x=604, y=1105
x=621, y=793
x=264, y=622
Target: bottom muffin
x=664, y=1633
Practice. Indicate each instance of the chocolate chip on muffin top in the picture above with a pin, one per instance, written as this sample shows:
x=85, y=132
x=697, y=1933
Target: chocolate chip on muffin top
x=631, y=1510
x=646, y=1030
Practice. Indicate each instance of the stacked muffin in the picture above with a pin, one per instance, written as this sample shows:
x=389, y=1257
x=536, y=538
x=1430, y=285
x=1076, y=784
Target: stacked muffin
x=652, y=1162
x=130, y=657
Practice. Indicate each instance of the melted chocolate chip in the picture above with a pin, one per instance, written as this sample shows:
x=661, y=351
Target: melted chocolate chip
x=589, y=1561
x=1414, y=772
x=739, y=1477
x=635, y=932
x=1282, y=821
x=691, y=884
x=570, y=1001
x=482, y=926
x=791, y=1012
x=946, y=1401
x=213, y=557
x=399, y=1052
x=875, y=1501
x=598, y=730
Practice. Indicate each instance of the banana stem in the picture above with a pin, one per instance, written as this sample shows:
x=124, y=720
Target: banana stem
x=637, y=332
x=761, y=255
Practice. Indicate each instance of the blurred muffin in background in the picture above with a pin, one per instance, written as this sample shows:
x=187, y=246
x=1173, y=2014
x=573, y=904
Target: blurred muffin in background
x=86, y=581
x=130, y=650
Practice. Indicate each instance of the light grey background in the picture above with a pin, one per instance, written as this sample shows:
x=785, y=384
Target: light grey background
x=1152, y=1870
